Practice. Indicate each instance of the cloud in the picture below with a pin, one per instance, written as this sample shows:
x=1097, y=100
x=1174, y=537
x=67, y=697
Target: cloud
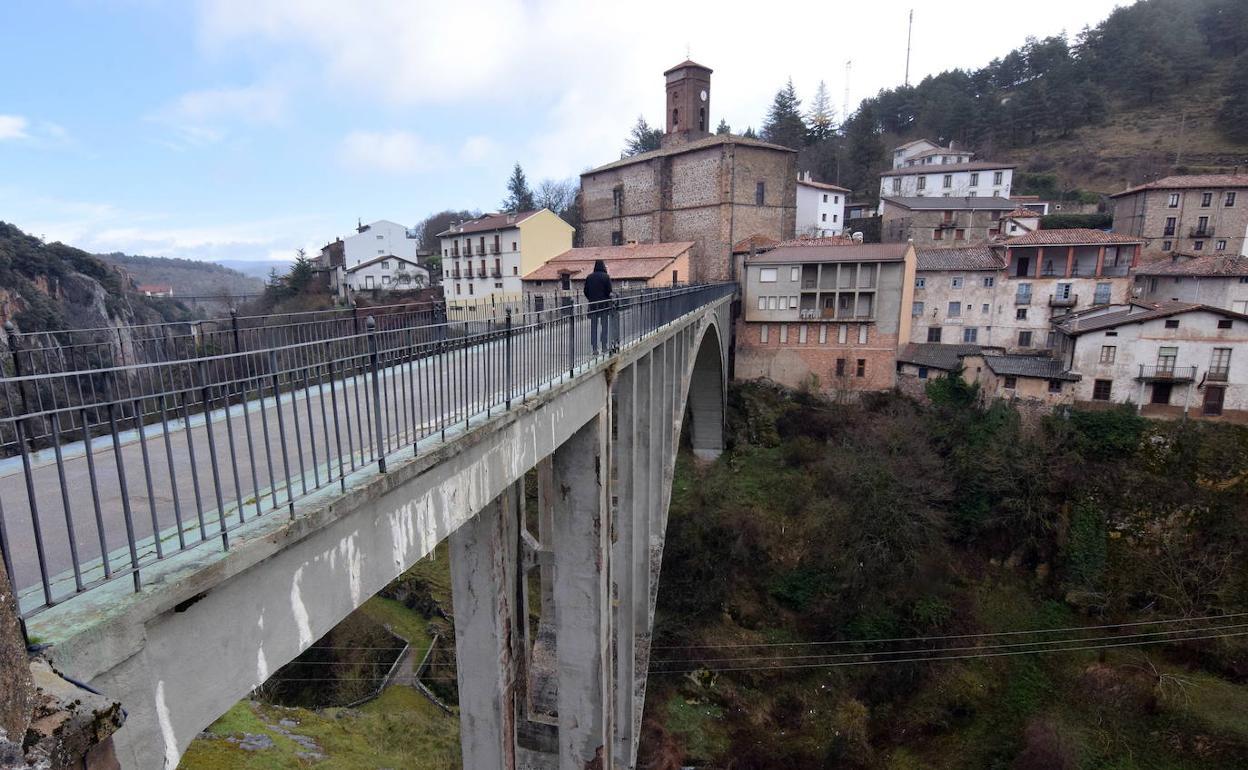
x=207, y=116
x=13, y=127
x=404, y=152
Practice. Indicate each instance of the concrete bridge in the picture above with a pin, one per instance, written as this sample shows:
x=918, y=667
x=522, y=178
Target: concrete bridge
x=208, y=625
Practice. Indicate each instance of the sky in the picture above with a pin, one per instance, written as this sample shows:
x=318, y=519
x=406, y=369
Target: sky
x=247, y=129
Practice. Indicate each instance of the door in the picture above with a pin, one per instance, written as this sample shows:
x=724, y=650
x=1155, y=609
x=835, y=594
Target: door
x=1161, y=393
x=1213, y=400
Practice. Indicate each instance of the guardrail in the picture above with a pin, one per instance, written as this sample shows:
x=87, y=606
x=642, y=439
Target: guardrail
x=149, y=460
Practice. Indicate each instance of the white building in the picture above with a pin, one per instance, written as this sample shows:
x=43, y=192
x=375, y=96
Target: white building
x=923, y=168
x=1170, y=359
x=380, y=238
x=386, y=273
x=488, y=257
x=820, y=208
x=1219, y=280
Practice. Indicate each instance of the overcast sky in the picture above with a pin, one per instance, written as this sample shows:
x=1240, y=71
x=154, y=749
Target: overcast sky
x=245, y=129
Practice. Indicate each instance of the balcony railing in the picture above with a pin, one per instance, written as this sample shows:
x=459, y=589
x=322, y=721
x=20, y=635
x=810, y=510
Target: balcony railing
x=496, y=273
x=494, y=249
x=481, y=273
x=1166, y=373
x=1022, y=299
x=455, y=274
x=1201, y=232
x=1218, y=374
x=808, y=284
x=1068, y=301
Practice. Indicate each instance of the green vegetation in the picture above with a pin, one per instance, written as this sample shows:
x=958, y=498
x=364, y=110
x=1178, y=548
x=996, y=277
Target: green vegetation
x=896, y=519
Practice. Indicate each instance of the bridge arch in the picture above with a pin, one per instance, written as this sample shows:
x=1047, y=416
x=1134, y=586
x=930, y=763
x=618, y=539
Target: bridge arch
x=707, y=378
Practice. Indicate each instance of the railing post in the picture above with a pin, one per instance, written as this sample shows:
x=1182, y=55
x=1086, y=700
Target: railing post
x=234, y=326
x=507, y=354
x=373, y=361
x=570, y=307
x=355, y=317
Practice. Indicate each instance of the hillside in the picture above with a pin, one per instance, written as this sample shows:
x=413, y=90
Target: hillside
x=188, y=277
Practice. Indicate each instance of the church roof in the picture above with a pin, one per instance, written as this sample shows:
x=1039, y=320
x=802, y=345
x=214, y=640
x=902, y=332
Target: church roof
x=688, y=63
x=682, y=147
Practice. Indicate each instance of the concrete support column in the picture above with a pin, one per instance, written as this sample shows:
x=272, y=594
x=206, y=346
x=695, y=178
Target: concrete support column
x=581, y=542
x=624, y=453
x=483, y=578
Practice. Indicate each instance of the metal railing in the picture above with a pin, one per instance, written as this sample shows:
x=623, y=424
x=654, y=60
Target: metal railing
x=158, y=458
x=1167, y=372
x=1218, y=374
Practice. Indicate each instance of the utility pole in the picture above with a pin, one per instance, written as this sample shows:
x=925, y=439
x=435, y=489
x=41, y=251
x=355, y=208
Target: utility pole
x=909, y=31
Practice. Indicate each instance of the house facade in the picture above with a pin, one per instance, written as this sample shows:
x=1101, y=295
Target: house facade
x=711, y=189
x=631, y=266
x=1193, y=214
x=820, y=208
x=1209, y=279
x=924, y=169
x=380, y=238
x=942, y=221
x=385, y=273
x=1170, y=359
x=831, y=314
x=486, y=258
x=1038, y=379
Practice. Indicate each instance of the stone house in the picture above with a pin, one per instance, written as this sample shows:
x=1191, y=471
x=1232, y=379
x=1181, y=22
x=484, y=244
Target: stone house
x=828, y=314
x=938, y=221
x=1039, y=379
x=1170, y=359
x=1197, y=214
x=1208, y=279
x=632, y=266
x=711, y=189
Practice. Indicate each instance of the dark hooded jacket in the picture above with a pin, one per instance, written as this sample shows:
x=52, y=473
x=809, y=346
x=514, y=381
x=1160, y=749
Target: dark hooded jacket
x=598, y=283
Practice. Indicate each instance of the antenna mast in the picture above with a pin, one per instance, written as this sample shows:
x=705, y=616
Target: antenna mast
x=909, y=30
x=849, y=63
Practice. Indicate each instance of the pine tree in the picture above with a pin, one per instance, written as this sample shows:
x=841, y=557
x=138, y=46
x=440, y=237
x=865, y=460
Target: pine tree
x=519, y=196
x=642, y=138
x=821, y=119
x=784, y=125
x=749, y=133
x=723, y=127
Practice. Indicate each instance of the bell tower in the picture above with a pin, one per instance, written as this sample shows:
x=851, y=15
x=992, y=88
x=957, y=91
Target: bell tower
x=688, y=100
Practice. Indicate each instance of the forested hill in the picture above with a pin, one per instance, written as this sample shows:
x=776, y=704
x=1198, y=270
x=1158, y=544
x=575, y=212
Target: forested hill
x=188, y=277
x=51, y=286
x=1156, y=87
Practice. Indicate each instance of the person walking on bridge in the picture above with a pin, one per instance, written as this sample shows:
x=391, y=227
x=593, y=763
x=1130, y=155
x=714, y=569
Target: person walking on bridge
x=598, y=292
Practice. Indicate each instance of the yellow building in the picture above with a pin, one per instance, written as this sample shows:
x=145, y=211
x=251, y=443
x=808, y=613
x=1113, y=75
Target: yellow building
x=485, y=259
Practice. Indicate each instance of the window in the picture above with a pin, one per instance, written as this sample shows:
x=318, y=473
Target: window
x=1011, y=382
x=792, y=303
x=368, y=282
x=947, y=182
x=974, y=179
x=617, y=199
x=1220, y=363
x=767, y=275
x=922, y=372
x=1055, y=386
x=1198, y=246
x=897, y=184
x=862, y=334
x=1206, y=200
x=1101, y=390
x=834, y=218
x=1172, y=323
x=1170, y=225
x=916, y=309
x=824, y=217
x=1101, y=296
x=470, y=288
x=959, y=234
x=920, y=283
x=380, y=237
x=842, y=335
x=795, y=273
x=385, y=280
x=984, y=308
x=771, y=303
x=922, y=183
x=1167, y=245
x=996, y=177
x=862, y=367
x=760, y=192
x=1173, y=201
x=1063, y=291
x=801, y=334
x=1219, y=245
x=617, y=238
x=938, y=235
x=1230, y=199
x=955, y=309
x=989, y=282
x=1225, y=323
x=840, y=367
x=1024, y=339
x=970, y=334
x=1020, y=314
x=1166, y=357
x=515, y=270
x=513, y=245
x=956, y=282
x=1109, y=354
x=762, y=303
x=784, y=334
x=823, y=334
x=762, y=333
x=459, y=289
x=933, y=334
x=381, y=251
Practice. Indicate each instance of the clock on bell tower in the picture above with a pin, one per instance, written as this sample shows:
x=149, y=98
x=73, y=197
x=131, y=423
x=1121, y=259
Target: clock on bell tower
x=688, y=99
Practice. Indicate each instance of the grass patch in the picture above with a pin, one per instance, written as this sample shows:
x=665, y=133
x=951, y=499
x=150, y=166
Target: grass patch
x=699, y=725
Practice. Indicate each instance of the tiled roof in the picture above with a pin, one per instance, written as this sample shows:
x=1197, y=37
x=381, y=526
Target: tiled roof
x=948, y=168
x=1209, y=265
x=823, y=185
x=1042, y=367
x=368, y=262
x=632, y=262
x=856, y=252
x=1075, y=236
x=938, y=356
x=911, y=143
x=682, y=147
x=1137, y=312
x=687, y=63
x=827, y=240
x=967, y=258
x=1189, y=182
x=757, y=242
x=926, y=203
x=488, y=222
x=1022, y=213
